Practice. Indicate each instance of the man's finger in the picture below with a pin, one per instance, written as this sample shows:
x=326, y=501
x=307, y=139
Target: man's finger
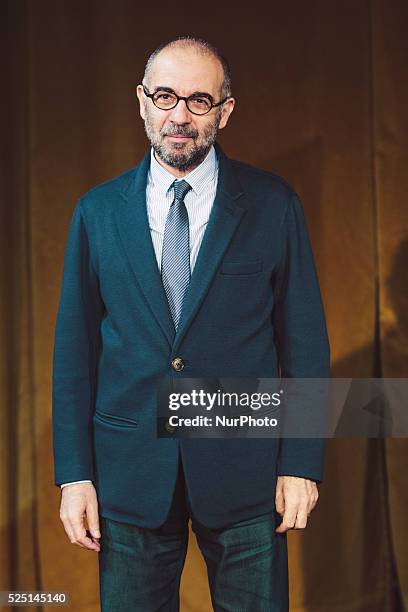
x=69, y=531
x=314, y=498
x=301, y=517
x=289, y=518
x=80, y=536
x=92, y=518
x=280, y=501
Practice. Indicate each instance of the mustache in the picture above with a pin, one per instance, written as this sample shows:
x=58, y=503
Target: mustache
x=181, y=132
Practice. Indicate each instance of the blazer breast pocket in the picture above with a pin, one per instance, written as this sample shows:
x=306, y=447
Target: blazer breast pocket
x=237, y=268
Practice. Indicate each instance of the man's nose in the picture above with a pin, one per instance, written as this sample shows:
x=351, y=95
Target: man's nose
x=180, y=113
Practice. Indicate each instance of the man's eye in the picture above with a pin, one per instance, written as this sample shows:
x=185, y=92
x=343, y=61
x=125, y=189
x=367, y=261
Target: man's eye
x=163, y=96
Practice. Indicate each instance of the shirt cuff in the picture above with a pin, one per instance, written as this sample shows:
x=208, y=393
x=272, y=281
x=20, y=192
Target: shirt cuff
x=75, y=482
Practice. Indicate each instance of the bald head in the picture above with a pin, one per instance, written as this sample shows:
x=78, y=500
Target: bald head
x=186, y=47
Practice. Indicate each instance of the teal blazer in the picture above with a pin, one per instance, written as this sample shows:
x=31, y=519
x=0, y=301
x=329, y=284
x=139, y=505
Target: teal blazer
x=253, y=308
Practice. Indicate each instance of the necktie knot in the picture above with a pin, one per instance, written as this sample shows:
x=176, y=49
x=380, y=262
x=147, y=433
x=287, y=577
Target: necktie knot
x=181, y=188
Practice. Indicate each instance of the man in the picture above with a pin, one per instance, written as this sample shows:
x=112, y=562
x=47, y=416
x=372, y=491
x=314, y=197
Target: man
x=189, y=264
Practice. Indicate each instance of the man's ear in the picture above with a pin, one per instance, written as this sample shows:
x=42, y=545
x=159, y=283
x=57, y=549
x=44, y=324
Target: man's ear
x=140, y=96
x=228, y=107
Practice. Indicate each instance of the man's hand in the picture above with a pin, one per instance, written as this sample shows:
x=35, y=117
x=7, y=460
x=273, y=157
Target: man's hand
x=294, y=500
x=79, y=501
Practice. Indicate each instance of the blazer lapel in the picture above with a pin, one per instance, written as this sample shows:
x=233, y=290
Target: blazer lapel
x=133, y=226
x=224, y=219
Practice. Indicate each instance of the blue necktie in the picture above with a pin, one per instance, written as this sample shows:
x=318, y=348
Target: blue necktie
x=175, y=263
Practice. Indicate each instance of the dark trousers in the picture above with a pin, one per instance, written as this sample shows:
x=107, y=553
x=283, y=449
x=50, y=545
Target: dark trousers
x=140, y=569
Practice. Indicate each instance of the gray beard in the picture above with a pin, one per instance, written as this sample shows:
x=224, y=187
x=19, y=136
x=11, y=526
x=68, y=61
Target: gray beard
x=176, y=158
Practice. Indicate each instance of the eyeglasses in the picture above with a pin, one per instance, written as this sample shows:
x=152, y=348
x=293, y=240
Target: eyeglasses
x=196, y=104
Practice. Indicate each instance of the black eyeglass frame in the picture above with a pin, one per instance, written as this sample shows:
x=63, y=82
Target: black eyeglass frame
x=186, y=99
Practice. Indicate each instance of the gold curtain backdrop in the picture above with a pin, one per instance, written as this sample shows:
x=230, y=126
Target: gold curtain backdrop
x=322, y=99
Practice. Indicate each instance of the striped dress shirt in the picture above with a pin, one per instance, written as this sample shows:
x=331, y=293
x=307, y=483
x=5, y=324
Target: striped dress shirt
x=199, y=200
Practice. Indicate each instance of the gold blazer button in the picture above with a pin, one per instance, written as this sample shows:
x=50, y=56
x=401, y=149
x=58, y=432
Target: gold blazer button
x=169, y=428
x=177, y=363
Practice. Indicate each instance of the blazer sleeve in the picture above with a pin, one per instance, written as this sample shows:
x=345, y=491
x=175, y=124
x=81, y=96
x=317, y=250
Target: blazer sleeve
x=300, y=334
x=76, y=344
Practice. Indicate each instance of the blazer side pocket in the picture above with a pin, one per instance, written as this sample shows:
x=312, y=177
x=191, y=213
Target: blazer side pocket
x=111, y=419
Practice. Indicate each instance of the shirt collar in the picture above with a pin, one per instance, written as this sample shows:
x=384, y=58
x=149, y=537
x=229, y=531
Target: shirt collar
x=199, y=178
